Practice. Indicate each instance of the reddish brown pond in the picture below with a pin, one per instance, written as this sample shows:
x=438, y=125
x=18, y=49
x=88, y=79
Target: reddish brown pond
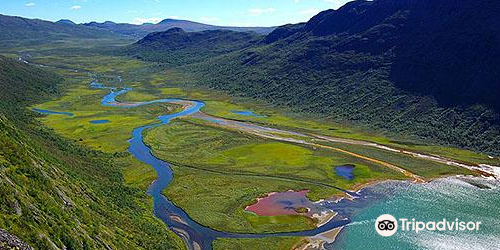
x=283, y=203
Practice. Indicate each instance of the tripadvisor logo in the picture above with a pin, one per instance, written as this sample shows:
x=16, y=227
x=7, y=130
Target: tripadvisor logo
x=387, y=225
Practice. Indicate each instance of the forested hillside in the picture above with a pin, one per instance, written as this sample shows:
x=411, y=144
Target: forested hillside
x=177, y=47
x=424, y=69
x=56, y=194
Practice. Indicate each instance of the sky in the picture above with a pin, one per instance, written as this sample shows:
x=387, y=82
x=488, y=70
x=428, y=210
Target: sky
x=217, y=12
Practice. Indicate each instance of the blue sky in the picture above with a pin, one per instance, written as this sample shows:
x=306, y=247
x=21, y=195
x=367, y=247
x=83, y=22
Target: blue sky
x=218, y=12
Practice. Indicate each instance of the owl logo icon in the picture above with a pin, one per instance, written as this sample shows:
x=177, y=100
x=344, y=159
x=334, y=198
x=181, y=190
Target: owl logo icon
x=386, y=225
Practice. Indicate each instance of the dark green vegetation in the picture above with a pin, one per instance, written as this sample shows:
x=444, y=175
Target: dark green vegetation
x=142, y=30
x=55, y=192
x=175, y=46
x=425, y=69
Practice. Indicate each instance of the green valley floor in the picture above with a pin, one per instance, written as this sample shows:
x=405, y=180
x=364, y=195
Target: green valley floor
x=225, y=158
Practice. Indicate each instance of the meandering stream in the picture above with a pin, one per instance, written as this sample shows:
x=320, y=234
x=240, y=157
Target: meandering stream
x=195, y=235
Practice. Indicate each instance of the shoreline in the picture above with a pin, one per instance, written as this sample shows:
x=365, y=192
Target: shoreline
x=317, y=242
x=357, y=188
x=325, y=237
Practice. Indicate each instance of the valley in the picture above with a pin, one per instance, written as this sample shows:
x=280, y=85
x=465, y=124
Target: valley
x=183, y=135
x=206, y=150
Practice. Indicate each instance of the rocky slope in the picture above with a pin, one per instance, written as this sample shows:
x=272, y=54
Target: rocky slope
x=11, y=242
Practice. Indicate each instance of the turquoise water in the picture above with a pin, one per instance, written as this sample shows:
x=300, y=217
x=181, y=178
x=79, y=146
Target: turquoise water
x=449, y=198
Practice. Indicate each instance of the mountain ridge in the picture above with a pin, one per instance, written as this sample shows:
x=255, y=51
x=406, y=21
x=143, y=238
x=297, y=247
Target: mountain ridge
x=20, y=30
x=141, y=30
x=394, y=65
x=14, y=27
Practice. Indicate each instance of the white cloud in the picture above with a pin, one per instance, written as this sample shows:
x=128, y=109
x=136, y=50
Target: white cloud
x=75, y=7
x=258, y=12
x=141, y=20
x=31, y=4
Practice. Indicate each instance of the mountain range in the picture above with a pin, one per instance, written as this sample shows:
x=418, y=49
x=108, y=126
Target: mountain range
x=426, y=69
x=142, y=30
x=19, y=29
x=31, y=31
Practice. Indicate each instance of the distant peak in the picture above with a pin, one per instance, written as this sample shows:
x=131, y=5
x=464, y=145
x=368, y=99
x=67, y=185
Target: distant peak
x=169, y=20
x=65, y=21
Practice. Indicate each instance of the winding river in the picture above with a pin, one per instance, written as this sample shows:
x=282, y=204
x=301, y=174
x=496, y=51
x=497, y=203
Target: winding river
x=195, y=235
x=366, y=205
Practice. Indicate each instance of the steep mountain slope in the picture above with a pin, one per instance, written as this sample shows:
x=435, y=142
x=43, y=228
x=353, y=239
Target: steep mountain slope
x=55, y=194
x=189, y=26
x=448, y=49
x=455, y=59
x=175, y=46
x=423, y=68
